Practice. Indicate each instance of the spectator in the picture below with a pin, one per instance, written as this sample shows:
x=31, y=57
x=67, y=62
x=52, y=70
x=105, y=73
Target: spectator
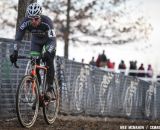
x=110, y=65
x=82, y=60
x=135, y=64
x=158, y=78
x=132, y=68
x=103, y=59
x=98, y=60
x=141, y=74
x=122, y=66
x=103, y=56
x=92, y=62
x=113, y=64
x=149, y=71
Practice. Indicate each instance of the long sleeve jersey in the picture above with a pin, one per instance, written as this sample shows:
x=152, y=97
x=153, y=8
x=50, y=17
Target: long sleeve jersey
x=41, y=34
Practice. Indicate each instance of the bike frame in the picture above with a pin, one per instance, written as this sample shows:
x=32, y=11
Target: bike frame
x=34, y=67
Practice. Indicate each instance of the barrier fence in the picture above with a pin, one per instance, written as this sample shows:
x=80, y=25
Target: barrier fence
x=135, y=72
x=85, y=90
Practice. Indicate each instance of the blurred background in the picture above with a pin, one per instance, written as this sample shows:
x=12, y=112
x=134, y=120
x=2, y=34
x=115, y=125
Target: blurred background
x=126, y=30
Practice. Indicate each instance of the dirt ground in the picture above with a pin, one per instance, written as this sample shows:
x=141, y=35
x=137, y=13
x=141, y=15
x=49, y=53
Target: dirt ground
x=82, y=123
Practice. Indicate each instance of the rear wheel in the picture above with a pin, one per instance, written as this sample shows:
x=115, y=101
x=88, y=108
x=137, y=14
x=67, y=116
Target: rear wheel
x=27, y=101
x=51, y=108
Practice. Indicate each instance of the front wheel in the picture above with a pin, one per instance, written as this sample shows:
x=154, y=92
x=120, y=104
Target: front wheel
x=51, y=108
x=27, y=101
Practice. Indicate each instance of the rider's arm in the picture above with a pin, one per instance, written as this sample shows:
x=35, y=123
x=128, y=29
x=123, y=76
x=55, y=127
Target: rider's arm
x=20, y=33
x=51, y=36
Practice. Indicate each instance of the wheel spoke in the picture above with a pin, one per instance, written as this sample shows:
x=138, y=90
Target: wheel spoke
x=25, y=100
x=50, y=110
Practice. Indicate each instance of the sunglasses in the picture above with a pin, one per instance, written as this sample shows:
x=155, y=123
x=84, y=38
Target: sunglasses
x=34, y=18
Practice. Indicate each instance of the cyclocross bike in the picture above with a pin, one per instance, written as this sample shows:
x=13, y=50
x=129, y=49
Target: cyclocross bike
x=30, y=95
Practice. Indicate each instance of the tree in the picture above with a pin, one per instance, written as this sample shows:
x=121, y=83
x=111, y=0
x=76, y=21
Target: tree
x=66, y=34
x=100, y=22
x=22, y=5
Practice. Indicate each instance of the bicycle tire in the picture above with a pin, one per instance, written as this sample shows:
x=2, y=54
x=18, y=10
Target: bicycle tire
x=27, y=116
x=51, y=117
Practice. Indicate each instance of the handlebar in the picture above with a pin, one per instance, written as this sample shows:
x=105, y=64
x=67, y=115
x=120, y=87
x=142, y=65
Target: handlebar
x=24, y=57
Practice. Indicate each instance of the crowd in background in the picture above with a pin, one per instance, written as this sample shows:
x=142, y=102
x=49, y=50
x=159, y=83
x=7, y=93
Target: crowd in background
x=133, y=70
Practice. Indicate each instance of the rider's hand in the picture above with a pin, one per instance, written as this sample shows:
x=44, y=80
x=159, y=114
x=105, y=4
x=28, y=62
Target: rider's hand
x=14, y=56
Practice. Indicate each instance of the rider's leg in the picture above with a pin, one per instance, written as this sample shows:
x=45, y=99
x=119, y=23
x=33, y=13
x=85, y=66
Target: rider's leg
x=50, y=77
x=36, y=51
x=51, y=71
x=49, y=59
x=37, y=72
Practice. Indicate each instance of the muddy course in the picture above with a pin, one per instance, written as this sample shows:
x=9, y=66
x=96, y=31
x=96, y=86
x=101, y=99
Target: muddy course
x=82, y=123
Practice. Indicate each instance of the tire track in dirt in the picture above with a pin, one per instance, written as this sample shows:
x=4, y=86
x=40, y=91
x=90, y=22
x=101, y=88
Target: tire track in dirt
x=78, y=123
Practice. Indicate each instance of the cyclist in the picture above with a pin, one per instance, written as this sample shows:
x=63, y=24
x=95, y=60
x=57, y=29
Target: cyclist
x=43, y=36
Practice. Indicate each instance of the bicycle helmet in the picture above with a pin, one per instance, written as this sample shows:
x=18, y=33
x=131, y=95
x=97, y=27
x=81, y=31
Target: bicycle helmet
x=34, y=10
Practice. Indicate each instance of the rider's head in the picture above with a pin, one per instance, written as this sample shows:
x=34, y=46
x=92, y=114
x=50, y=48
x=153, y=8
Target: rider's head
x=34, y=11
